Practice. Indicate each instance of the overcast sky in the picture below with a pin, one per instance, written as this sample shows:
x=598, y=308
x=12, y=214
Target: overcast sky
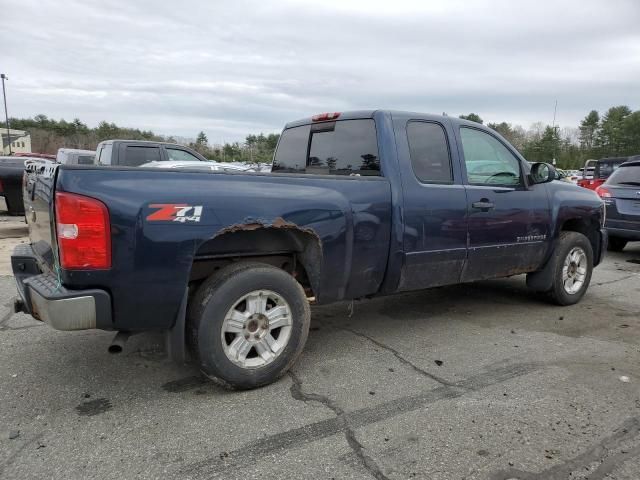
x=233, y=68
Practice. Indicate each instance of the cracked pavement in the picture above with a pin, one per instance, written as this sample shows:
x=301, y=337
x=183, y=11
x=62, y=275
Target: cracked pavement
x=483, y=381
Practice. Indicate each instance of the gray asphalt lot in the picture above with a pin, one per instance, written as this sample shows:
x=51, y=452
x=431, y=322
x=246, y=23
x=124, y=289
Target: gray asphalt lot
x=482, y=381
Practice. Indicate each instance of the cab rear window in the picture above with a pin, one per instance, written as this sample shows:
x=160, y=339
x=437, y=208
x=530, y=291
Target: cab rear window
x=346, y=147
x=136, y=156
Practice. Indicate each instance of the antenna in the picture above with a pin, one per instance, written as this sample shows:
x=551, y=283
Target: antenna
x=6, y=115
x=553, y=127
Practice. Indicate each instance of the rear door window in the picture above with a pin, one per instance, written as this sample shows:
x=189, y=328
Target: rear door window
x=346, y=147
x=429, y=152
x=85, y=159
x=138, y=155
x=291, y=155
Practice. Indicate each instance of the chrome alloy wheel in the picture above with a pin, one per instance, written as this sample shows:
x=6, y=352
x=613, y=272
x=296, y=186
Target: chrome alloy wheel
x=574, y=270
x=256, y=329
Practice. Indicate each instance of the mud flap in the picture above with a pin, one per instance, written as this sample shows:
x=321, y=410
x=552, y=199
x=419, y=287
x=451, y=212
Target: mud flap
x=175, y=336
x=542, y=280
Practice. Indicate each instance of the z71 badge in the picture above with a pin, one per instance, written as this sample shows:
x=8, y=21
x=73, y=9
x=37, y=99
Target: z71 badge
x=175, y=212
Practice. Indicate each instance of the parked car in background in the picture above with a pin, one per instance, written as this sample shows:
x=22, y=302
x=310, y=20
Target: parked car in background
x=587, y=172
x=358, y=204
x=11, y=173
x=133, y=153
x=574, y=175
x=621, y=195
x=602, y=169
x=73, y=156
x=198, y=165
x=46, y=156
x=563, y=175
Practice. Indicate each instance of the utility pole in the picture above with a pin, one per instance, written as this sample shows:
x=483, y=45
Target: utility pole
x=6, y=114
x=555, y=109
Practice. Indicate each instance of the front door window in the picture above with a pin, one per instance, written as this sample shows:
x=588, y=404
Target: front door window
x=487, y=160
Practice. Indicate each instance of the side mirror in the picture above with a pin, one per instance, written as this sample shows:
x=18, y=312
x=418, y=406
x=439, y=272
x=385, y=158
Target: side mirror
x=543, y=173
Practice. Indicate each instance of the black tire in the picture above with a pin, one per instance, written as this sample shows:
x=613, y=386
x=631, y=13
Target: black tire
x=567, y=242
x=207, y=311
x=617, y=244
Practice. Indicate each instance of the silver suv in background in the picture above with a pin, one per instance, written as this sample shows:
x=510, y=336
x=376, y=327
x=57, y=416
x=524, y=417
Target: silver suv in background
x=621, y=195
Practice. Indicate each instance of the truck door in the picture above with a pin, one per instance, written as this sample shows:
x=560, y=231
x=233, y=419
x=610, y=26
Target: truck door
x=435, y=204
x=508, y=220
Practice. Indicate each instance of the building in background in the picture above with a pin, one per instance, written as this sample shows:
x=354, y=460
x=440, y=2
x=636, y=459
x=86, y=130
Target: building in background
x=19, y=139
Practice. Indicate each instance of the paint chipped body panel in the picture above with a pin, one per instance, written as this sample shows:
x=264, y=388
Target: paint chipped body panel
x=357, y=236
x=152, y=260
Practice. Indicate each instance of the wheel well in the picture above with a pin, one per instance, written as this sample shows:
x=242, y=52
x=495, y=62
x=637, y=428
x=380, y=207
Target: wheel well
x=587, y=227
x=295, y=250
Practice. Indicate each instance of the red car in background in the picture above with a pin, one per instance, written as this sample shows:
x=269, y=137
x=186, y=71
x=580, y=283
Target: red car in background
x=602, y=169
x=46, y=156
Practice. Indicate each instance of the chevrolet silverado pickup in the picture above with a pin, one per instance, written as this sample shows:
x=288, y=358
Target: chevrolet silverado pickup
x=358, y=204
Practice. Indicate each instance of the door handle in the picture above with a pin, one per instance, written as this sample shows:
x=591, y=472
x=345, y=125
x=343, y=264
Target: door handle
x=483, y=205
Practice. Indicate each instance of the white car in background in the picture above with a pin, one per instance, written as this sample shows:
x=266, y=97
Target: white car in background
x=196, y=165
x=74, y=156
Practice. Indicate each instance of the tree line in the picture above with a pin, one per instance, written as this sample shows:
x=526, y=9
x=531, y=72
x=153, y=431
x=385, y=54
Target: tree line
x=48, y=135
x=255, y=148
x=614, y=133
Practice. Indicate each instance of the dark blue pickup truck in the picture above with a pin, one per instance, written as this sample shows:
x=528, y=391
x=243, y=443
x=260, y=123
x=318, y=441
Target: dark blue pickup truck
x=358, y=204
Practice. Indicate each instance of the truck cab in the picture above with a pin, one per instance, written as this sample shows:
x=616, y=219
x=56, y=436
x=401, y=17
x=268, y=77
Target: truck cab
x=133, y=153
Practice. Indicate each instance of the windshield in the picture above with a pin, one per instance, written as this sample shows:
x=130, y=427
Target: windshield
x=626, y=175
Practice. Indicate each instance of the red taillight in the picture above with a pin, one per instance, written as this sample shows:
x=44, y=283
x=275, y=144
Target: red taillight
x=323, y=117
x=1, y=186
x=603, y=192
x=84, y=232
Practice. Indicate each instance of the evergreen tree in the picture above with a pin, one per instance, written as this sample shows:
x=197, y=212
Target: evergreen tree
x=588, y=128
x=472, y=117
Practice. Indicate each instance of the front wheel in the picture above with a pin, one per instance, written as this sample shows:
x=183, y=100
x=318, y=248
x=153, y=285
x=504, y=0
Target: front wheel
x=248, y=324
x=573, y=268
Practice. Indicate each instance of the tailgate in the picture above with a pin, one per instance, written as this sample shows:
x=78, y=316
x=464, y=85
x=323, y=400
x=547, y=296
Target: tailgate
x=626, y=200
x=38, y=195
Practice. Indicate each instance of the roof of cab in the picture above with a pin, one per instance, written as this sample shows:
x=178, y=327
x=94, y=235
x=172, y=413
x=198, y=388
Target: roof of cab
x=148, y=142
x=352, y=115
x=357, y=114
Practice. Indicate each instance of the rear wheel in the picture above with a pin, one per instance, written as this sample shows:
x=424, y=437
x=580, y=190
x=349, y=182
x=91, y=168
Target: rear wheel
x=573, y=268
x=617, y=244
x=248, y=324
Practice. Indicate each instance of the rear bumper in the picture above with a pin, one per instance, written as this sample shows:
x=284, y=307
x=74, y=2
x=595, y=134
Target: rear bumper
x=625, y=233
x=623, y=228
x=46, y=300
